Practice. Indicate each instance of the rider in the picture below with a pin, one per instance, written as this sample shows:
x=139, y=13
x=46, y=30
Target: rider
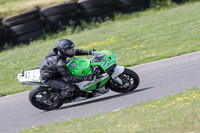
x=54, y=72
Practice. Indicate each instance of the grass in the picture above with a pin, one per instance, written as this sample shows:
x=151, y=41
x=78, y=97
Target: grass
x=179, y=113
x=136, y=38
x=10, y=8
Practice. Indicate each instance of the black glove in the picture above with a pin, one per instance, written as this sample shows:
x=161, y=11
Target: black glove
x=90, y=52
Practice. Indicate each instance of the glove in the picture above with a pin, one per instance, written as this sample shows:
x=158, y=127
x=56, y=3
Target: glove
x=90, y=52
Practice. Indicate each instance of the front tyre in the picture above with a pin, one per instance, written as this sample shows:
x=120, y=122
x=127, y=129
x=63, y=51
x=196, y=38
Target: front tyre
x=130, y=82
x=42, y=98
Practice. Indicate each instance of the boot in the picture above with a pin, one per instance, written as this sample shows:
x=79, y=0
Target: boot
x=63, y=94
x=66, y=93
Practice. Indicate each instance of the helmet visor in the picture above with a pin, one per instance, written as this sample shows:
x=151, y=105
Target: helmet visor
x=69, y=51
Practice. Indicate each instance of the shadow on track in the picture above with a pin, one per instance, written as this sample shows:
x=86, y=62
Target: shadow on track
x=104, y=98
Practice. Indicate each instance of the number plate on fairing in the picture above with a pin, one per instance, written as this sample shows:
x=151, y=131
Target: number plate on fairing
x=29, y=76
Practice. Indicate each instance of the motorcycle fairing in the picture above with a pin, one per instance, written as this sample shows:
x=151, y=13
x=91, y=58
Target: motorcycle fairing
x=79, y=67
x=90, y=85
x=117, y=71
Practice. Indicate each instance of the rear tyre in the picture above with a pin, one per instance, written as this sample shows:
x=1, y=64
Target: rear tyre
x=42, y=98
x=130, y=82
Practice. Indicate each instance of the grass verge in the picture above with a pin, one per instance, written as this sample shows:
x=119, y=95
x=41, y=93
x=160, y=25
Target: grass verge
x=179, y=113
x=136, y=38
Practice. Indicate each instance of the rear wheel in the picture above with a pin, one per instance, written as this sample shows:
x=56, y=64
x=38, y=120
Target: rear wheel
x=42, y=98
x=130, y=81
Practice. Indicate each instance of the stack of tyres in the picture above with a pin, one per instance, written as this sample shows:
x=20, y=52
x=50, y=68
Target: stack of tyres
x=128, y=6
x=99, y=10
x=60, y=16
x=25, y=27
x=1, y=21
x=3, y=36
x=179, y=1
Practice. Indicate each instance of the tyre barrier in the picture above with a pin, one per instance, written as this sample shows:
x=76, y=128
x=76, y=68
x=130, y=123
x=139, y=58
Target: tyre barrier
x=128, y=6
x=179, y=1
x=1, y=21
x=32, y=25
x=22, y=18
x=25, y=32
x=96, y=10
x=58, y=17
x=21, y=28
x=3, y=36
x=26, y=38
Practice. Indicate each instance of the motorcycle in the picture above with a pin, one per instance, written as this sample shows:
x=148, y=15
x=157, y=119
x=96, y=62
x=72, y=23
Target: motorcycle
x=109, y=77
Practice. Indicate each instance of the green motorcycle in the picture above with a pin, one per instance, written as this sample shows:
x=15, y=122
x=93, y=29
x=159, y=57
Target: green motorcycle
x=109, y=77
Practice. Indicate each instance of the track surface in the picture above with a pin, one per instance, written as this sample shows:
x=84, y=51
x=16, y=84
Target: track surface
x=158, y=79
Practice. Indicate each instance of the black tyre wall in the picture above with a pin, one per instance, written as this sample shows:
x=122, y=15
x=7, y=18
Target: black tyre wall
x=58, y=17
x=97, y=12
x=22, y=18
x=89, y=4
x=25, y=38
x=179, y=1
x=128, y=6
x=54, y=23
x=133, y=8
x=1, y=21
x=147, y=4
x=25, y=28
x=126, y=3
x=60, y=9
x=3, y=36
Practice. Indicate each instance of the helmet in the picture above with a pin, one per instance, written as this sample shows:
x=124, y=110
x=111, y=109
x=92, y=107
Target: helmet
x=66, y=47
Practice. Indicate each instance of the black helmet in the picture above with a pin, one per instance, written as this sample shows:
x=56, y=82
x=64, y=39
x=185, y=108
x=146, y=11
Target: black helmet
x=66, y=47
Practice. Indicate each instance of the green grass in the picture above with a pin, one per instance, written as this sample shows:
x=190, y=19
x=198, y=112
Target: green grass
x=179, y=113
x=136, y=38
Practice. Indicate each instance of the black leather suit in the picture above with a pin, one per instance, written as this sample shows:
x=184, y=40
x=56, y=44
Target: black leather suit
x=53, y=70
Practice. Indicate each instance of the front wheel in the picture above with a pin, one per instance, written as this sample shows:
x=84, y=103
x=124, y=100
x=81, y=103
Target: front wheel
x=130, y=81
x=42, y=98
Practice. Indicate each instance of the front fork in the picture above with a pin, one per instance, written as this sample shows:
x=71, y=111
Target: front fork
x=117, y=71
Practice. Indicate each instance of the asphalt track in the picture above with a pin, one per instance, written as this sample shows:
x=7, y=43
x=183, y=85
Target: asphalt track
x=158, y=79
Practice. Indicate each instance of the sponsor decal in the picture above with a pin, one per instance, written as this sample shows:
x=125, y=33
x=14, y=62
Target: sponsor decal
x=93, y=83
x=106, y=64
